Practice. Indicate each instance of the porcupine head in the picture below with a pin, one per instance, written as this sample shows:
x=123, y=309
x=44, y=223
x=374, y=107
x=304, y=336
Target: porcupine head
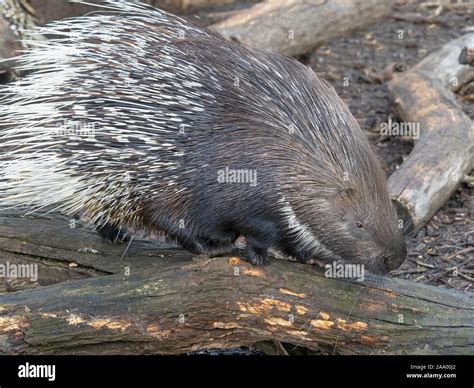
x=140, y=120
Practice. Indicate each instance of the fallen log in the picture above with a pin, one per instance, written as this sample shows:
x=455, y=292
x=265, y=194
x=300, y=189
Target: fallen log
x=163, y=301
x=193, y=4
x=292, y=27
x=444, y=153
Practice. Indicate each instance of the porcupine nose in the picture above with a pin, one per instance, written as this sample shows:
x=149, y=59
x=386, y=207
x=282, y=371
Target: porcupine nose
x=397, y=255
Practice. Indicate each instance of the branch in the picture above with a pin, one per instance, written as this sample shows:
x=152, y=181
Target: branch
x=444, y=153
x=292, y=27
x=171, y=303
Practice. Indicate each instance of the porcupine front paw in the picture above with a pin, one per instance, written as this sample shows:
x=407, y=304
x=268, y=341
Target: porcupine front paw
x=258, y=243
x=113, y=234
x=256, y=255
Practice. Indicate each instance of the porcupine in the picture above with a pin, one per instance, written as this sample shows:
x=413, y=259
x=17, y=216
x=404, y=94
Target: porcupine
x=168, y=105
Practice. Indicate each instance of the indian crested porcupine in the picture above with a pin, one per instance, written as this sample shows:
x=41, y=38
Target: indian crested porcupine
x=139, y=119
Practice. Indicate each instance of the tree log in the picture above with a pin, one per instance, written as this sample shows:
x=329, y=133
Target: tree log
x=444, y=152
x=292, y=27
x=173, y=303
x=188, y=4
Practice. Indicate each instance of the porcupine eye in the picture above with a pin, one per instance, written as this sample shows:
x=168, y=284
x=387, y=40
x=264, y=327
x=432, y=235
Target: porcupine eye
x=359, y=225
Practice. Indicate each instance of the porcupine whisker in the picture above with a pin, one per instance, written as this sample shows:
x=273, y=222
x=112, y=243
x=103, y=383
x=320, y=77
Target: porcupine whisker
x=118, y=234
x=346, y=284
x=126, y=249
x=348, y=316
x=378, y=282
x=323, y=308
x=408, y=225
x=379, y=285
